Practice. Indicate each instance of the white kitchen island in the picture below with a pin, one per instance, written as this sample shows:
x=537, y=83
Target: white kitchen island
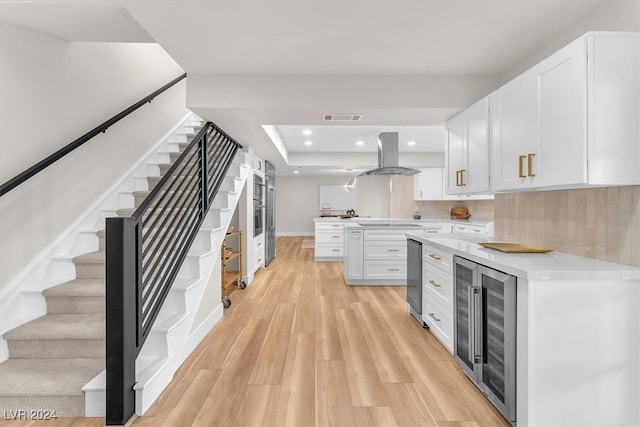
x=577, y=334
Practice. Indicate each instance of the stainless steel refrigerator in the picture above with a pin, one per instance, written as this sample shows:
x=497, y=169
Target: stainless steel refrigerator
x=270, y=205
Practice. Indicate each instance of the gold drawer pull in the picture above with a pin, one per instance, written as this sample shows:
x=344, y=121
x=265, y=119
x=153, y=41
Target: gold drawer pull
x=462, y=171
x=433, y=316
x=476, y=230
x=530, y=157
x=436, y=257
x=457, y=178
x=520, y=172
x=336, y=226
x=435, y=284
x=336, y=237
x=394, y=250
x=394, y=269
x=335, y=250
x=259, y=260
x=259, y=244
x=432, y=231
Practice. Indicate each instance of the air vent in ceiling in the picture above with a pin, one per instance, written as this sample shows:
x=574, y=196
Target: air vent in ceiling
x=342, y=117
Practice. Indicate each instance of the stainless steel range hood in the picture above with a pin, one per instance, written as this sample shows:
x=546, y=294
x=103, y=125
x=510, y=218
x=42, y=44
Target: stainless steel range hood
x=388, y=157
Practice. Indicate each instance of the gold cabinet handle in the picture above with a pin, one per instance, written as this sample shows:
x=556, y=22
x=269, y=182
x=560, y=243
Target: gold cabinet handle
x=520, y=172
x=335, y=250
x=259, y=244
x=394, y=269
x=336, y=237
x=476, y=230
x=394, y=250
x=462, y=171
x=436, y=257
x=433, y=316
x=530, y=157
x=435, y=284
x=457, y=178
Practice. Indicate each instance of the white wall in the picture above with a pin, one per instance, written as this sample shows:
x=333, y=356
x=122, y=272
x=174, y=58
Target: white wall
x=297, y=200
x=53, y=91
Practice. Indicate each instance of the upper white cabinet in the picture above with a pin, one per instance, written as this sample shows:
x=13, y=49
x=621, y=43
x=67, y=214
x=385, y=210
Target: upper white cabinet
x=572, y=120
x=427, y=185
x=430, y=184
x=467, y=154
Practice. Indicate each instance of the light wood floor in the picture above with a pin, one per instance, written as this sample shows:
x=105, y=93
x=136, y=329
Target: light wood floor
x=300, y=348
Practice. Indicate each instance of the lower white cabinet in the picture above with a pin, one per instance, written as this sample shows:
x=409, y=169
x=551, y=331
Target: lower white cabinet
x=353, y=262
x=329, y=241
x=437, y=293
x=258, y=252
x=386, y=269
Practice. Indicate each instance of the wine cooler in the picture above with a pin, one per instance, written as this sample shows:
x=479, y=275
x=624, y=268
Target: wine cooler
x=485, y=332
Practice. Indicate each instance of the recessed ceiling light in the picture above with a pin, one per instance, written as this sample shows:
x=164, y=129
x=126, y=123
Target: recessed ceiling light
x=306, y=132
x=296, y=172
x=360, y=143
x=308, y=143
x=411, y=143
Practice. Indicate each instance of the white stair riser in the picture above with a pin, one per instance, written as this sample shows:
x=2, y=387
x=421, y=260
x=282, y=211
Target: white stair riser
x=223, y=200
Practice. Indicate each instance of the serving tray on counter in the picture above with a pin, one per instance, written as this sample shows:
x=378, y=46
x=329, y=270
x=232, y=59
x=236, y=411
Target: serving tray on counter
x=515, y=248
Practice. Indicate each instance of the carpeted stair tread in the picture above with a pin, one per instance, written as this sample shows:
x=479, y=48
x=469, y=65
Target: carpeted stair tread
x=47, y=377
x=90, y=258
x=56, y=327
x=77, y=288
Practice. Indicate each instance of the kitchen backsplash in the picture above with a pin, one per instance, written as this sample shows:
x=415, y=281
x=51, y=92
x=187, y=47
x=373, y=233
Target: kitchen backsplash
x=602, y=223
x=403, y=206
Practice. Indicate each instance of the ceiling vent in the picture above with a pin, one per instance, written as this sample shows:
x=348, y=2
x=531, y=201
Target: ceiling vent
x=342, y=117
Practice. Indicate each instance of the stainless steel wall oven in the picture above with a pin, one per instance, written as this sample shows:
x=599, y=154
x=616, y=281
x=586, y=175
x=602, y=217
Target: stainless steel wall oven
x=258, y=204
x=485, y=332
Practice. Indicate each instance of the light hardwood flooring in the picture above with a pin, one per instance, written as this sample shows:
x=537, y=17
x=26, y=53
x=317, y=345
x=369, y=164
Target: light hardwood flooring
x=298, y=347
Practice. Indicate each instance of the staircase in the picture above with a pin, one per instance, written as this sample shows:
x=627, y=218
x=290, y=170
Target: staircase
x=56, y=361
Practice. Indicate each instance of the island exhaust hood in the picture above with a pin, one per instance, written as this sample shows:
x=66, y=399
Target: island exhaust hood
x=388, y=157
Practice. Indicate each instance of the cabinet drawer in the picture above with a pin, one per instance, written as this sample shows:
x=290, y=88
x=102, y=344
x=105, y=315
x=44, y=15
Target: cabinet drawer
x=329, y=251
x=385, y=270
x=258, y=244
x=440, y=322
x=474, y=229
x=258, y=260
x=330, y=236
x=438, y=258
x=387, y=235
x=438, y=285
x=328, y=226
x=385, y=249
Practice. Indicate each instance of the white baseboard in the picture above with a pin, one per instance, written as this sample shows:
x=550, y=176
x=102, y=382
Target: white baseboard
x=294, y=233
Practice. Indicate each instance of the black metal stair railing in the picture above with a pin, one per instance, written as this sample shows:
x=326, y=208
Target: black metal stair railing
x=144, y=253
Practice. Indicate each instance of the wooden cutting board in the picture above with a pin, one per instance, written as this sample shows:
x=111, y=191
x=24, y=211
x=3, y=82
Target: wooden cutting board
x=517, y=248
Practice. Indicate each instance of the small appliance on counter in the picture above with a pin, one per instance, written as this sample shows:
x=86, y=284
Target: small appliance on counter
x=460, y=213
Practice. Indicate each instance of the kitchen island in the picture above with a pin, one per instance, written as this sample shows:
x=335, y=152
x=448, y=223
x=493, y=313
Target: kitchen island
x=577, y=330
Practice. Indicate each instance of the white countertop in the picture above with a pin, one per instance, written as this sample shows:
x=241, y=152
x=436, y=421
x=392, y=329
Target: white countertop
x=550, y=266
x=404, y=220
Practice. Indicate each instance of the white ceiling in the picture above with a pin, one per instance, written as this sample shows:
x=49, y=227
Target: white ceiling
x=338, y=138
x=401, y=63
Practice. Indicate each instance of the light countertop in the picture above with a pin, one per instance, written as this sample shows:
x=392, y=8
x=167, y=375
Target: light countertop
x=426, y=221
x=550, y=266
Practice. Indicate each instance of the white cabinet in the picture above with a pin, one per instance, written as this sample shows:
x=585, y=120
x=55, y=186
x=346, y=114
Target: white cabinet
x=437, y=293
x=427, y=185
x=571, y=120
x=258, y=252
x=467, y=153
x=469, y=229
x=329, y=241
x=430, y=184
x=353, y=260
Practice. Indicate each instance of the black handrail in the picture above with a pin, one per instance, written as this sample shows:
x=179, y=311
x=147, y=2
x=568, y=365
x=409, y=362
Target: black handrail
x=144, y=253
x=42, y=164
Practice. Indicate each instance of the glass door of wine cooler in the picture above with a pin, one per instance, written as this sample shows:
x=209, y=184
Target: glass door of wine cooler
x=498, y=317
